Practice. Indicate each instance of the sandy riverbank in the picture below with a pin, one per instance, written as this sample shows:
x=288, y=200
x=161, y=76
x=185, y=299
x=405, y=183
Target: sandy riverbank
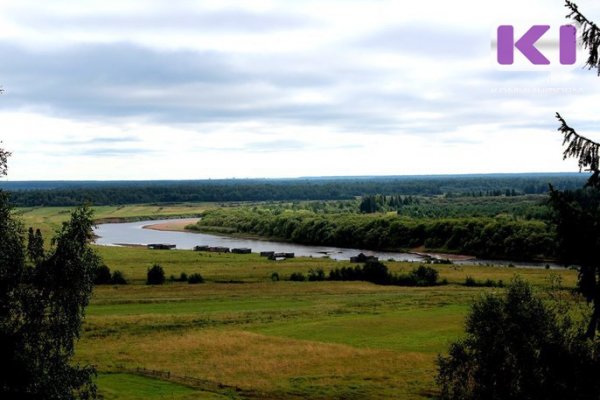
x=177, y=225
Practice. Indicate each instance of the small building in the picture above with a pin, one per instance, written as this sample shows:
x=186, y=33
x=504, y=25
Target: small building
x=161, y=246
x=218, y=249
x=281, y=256
x=200, y=248
x=243, y=250
x=267, y=254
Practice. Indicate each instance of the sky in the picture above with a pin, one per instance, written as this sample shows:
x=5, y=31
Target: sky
x=111, y=90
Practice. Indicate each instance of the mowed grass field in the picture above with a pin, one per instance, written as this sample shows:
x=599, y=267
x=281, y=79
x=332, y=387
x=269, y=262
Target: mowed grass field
x=243, y=336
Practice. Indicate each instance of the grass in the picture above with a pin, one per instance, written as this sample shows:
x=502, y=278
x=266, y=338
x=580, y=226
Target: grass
x=121, y=386
x=271, y=340
x=50, y=219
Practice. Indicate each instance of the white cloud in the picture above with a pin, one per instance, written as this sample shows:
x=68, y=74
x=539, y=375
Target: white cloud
x=199, y=89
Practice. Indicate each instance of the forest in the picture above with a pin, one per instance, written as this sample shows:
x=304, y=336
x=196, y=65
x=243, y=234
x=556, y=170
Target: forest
x=32, y=194
x=499, y=237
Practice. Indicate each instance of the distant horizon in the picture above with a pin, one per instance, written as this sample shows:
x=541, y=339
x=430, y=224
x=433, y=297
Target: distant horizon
x=315, y=177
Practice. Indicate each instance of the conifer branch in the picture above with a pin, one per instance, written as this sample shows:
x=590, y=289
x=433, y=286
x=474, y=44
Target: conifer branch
x=585, y=150
x=590, y=36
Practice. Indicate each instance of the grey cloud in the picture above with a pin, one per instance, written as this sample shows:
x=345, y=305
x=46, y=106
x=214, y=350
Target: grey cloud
x=435, y=42
x=108, y=152
x=172, y=19
x=123, y=81
x=97, y=140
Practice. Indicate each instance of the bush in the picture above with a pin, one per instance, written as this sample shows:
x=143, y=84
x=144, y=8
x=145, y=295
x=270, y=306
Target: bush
x=275, y=277
x=102, y=275
x=195, y=278
x=316, y=275
x=470, y=281
x=518, y=347
x=297, y=277
x=118, y=278
x=376, y=272
x=183, y=277
x=346, y=274
x=424, y=276
x=155, y=275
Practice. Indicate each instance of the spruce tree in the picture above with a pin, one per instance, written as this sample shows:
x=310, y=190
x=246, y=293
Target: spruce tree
x=576, y=214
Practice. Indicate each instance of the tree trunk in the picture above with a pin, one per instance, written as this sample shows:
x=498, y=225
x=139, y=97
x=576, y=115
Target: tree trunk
x=593, y=325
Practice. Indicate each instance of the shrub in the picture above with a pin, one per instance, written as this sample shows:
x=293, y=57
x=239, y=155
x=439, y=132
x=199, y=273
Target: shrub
x=297, y=277
x=183, y=277
x=195, y=278
x=118, y=278
x=155, y=275
x=316, y=275
x=376, y=272
x=275, y=277
x=346, y=274
x=424, y=276
x=518, y=347
x=470, y=281
x=102, y=275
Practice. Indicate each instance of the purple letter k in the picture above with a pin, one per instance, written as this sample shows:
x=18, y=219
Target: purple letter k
x=526, y=44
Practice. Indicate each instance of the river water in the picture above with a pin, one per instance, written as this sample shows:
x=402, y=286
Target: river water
x=133, y=233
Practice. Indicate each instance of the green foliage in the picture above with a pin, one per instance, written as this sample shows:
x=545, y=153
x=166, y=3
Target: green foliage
x=118, y=278
x=35, y=245
x=42, y=308
x=377, y=272
x=424, y=276
x=519, y=348
x=155, y=275
x=279, y=190
x=577, y=219
x=503, y=238
x=472, y=282
x=297, y=277
x=275, y=277
x=315, y=275
x=195, y=278
x=102, y=275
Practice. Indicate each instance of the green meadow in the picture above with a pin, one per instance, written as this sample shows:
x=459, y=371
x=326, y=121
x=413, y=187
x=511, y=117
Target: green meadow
x=241, y=335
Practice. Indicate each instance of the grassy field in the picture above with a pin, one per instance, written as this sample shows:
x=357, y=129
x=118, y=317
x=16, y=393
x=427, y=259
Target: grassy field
x=49, y=219
x=246, y=337
x=272, y=340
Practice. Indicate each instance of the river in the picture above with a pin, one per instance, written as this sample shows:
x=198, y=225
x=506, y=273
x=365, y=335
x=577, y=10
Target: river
x=134, y=233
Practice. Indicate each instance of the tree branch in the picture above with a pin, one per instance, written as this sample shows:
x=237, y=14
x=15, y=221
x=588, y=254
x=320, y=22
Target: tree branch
x=585, y=150
x=590, y=36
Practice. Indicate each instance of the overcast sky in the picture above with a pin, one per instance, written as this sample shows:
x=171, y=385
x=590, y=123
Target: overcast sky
x=215, y=89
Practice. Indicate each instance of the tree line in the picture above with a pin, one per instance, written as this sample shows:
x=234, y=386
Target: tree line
x=112, y=193
x=485, y=237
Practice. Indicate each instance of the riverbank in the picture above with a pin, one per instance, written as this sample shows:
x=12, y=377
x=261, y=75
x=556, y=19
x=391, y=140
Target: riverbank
x=176, y=225
x=180, y=226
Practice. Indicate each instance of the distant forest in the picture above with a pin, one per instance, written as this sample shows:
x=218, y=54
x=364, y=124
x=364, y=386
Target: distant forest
x=69, y=193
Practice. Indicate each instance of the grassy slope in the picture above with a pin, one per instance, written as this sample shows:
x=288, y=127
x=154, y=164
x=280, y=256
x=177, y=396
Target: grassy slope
x=272, y=340
x=283, y=339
